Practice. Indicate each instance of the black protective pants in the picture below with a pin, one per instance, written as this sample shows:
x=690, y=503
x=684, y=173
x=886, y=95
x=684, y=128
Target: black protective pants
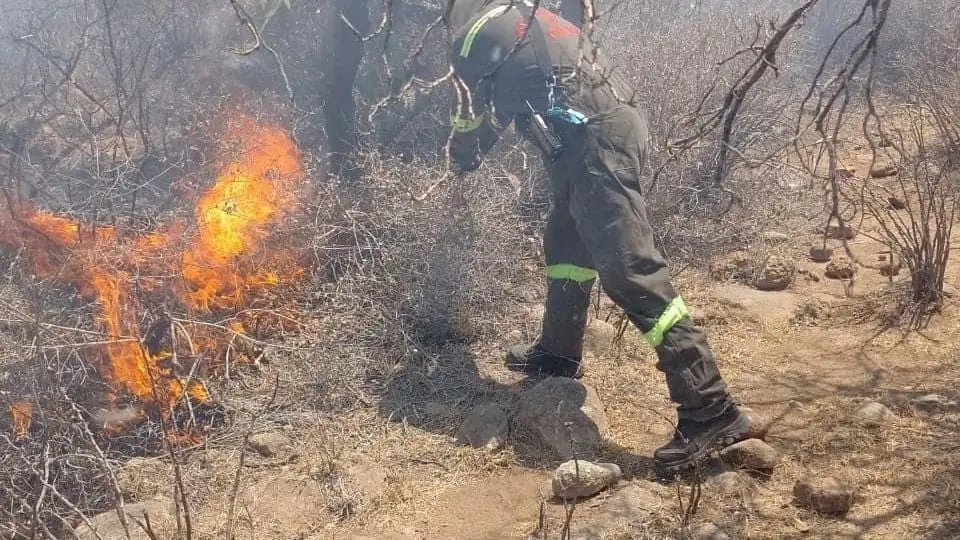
x=598, y=223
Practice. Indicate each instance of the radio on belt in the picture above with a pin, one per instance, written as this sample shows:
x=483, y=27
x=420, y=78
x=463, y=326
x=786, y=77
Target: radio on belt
x=546, y=139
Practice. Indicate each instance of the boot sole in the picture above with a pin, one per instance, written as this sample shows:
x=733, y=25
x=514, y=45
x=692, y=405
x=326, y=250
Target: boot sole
x=536, y=372
x=516, y=365
x=734, y=433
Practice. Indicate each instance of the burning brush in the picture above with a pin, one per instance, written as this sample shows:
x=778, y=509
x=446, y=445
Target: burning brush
x=224, y=267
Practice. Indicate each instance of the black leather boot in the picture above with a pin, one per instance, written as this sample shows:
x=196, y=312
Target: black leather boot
x=558, y=351
x=694, y=440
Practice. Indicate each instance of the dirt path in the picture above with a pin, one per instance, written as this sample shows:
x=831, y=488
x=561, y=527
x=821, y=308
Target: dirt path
x=504, y=506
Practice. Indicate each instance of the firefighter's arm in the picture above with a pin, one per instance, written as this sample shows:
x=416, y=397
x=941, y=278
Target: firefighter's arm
x=470, y=143
x=476, y=125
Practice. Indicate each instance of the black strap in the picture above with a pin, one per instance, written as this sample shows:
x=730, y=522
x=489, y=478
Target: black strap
x=539, y=44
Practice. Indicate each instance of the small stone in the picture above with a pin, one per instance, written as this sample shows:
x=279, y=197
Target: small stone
x=933, y=402
x=842, y=268
x=811, y=275
x=884, y=171
x=837, y=232
x=896, y=203
x=848, y=531
x=270, y=444
x=810, y=311
x=737, y=266
x=873, y=414
x=758, y=424
x=513, y=337
x=629, y=505
x=599, y=336
x=777, y=274
x=890, y=268
x=579, y=478
x=751, y=454
x=118, y=419
x=107, y=526
x=949, y=291
x=824, y=495
x=820, y=254
x=484, y=427
x=566, y=415
x=707, y=531
x=727, y=483
x=774, y=237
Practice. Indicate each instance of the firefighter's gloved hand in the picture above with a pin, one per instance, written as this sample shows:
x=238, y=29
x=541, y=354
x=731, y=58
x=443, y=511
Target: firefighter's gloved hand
x=467, y=166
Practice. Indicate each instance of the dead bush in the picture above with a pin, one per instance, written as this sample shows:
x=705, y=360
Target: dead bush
x=919, y=235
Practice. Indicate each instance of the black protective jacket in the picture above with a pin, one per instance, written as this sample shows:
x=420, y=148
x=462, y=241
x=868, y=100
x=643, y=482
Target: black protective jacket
x=498, y=73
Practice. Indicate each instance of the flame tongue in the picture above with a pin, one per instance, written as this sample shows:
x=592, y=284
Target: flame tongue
x=226, y=259
x=233, y=215
x=130, y=365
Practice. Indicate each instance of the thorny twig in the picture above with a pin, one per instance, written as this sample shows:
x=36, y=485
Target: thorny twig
x=82, y=424
x=44, y=479
x=247, y=20
x=571, y=507
x=464, y=98
x=235, y=489
x=688, y=510
x=725, y=116
x=832, y=104
x=238, y=334
x=184, y=518
x=383, y=27
x=412, y=80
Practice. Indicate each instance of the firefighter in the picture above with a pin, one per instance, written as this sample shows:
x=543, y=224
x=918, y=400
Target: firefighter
x=594, y=146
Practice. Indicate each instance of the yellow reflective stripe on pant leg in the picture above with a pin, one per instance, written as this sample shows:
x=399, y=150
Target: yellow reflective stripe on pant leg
x=475, y=29
x=571, y=272
x=466, y=125
x=675, y=312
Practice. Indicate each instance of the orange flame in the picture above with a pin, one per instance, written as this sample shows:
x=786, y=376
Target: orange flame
x=226, y=259
x=21, y=413
x=249, y=194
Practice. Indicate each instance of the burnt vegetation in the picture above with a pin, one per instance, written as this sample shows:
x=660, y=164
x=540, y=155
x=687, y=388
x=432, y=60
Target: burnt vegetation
x=117, y=116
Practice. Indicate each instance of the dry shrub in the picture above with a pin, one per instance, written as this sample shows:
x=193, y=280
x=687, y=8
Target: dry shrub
x=679, y=80
x=410, y=280
x=923, y=144
x=920, y=235
x=59, y=465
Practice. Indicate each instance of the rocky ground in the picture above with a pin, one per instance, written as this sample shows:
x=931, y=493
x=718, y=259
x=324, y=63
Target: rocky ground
x=856, y=427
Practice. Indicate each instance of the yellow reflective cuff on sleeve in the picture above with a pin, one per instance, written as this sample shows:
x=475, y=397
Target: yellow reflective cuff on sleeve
x=675, y=312
x=466, y=125
x=475, y=29
x=571, y=272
